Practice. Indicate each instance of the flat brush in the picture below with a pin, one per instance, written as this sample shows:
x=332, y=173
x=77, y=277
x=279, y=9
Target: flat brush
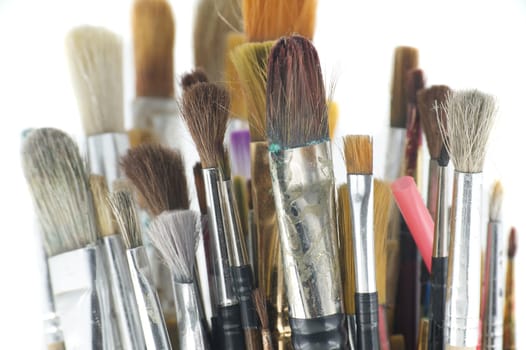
x=54, y=169
x=303, y=185
x=470, y=116
x=509, y=310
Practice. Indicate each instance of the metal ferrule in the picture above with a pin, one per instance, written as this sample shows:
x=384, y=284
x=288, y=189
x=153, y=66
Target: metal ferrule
x=81, y=298
x=441, y=236
x=104, y=154
x=148, y=305
x=224, y=290
x=361, y=201
x=395, y=153
x=463, y=282
x=432, y=187
x=190, y=321
x=494, y=286
x=303, y=184
x=52, y=328
x=122, y=295
x=202, y=276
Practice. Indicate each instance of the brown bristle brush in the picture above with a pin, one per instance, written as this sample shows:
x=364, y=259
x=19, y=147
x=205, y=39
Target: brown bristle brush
x=509, y=302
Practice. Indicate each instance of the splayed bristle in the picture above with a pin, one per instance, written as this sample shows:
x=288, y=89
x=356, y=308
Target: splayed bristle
x=190, y=79
x=358, y=151
x=200, y=188
x=296, y=105
x=141, y=136
x=495, y=204
x=470, y=116
x=382, y=203
x=271, y=19
x=158, y=174
x=238, y=106
x=95, y=62
x=405, y=59
x=58, y=183
x=205, y=111
x=334, y=115
x=250, y=61
x=415, y=81
x=240, y=153
x=512, y=243
x=175, y=235
x=123, y=206
x=104, y=215
x=431, y=103
x=345, y=233
x=261, y=307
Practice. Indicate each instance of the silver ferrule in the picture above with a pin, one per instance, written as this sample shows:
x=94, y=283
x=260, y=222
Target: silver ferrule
x=160, y=115
x=432, y=187
x=190, y=320
x=235, y=238
x=361, y=201
x=494, y=287
x=395, y=153
x=303, y=186
x=203, y=278
x=148, y=305
x=123, y=299
x=104, y=154
x=81, y=298
x=51, y=321
x=463, y=282
x=441, y=236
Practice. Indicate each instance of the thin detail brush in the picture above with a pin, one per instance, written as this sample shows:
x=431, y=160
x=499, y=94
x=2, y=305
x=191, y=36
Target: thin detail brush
x=261, y=307
x=509, y=310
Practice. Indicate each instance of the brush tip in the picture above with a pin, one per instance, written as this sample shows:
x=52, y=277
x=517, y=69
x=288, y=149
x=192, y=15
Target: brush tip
x=495, y=207
x=431, y=105
x=198, y=75
x=123, y=206
x=512, y=243
x=405, y=59
x=358, y=152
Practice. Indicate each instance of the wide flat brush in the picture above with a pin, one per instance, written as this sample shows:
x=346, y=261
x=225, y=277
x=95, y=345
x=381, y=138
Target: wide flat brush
x=509, y=310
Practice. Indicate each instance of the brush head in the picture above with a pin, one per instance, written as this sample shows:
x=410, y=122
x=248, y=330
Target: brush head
x=495, y=205
x=296, y=105
x=271, y=19
x=250, y=61
x=345, y=232
x=415, y=82
x=470, y=116
x=238, y=106
x=240, y=153
x=261, y=307
x=358, y=151
x=190, y=79
x=153, y=46
x=382, y=204
x=205, y=111
x=200, y=188
x=430, y=104
x=104, y=215
x=54, y=169
x=512, y=243
x=95, y=62
x=123, y=206
x=158, y=173
x=405, y=59
x=175, y=235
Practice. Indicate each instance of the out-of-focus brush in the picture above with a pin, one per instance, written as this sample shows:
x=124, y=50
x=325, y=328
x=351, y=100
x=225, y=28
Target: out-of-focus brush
x=261, y=307
x=238, y=106
x=509, y=309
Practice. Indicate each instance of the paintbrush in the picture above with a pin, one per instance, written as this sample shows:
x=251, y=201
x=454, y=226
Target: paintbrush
x=509, y=310
x=238, y=106
x=261, y=307
x=494, y=276
x=175, y=235
x=54, y=169
x=334, y=115
x=470, y=116
x=423, y=334
x=303, y=185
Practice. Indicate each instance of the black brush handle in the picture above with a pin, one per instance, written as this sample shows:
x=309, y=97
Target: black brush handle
x=244, y=284
x=321, y=333
x=230, y=333
x=367, y=321
x=438, y=302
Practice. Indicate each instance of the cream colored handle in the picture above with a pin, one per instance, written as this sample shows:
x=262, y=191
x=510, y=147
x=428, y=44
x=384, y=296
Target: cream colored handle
x=450, y=347
x=56, y=346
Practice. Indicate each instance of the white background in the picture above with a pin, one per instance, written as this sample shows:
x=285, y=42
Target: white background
x=464, y=44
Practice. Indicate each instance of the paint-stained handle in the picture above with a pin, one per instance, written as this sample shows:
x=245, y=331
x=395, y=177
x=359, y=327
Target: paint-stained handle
x=367, y=321
x=322, y=333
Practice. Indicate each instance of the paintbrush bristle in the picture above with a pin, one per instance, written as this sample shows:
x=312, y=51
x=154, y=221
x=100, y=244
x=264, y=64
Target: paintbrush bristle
x=470, y=117
x=296, y=104
x=153, y=45
x=196, y=76
x=95, y=62
x=58, y=183
x=358, y=152
x=104, y=215
x=382, y=204
x=334, y=115
x=251, y=61
x=200, y=188
x=158, y=173
x=430, y=103
x=238, y=106
x=261, y=307
x=495, y=205
x=345, y=233
x=205, y=111
x=271, y=19
x=240, y=153
x=512, y=243
x=123, y=206
x=405, y=59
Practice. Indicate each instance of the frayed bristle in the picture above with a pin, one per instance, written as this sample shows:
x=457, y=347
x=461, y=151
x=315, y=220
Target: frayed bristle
x=190, y=79
x=240, y=153
x=296, y=105
x=358, y=151
x=271, y=19
x=54, y=169
x=431, y=103
x=495, y=204
x=95, y=62
x=158, y=173
x=512, y=243
x=238, y=106
x=175, y=235
x=123, y=206
x=205, y=111
x=415, y=82
x=250, y=61
x=345, y=233
x=405, y=59
x=382, y=205
x=334, y=115
x=200, y=188
x=141, y=136
x=470, y=117
x=105, y=220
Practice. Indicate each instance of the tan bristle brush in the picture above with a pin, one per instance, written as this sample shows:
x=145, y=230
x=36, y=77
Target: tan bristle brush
x=509, y=302
x=334, y=115
x=54, y=169
x=238, y=107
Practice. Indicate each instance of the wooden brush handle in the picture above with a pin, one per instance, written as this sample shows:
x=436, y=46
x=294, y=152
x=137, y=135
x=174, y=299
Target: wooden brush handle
x=56, y=346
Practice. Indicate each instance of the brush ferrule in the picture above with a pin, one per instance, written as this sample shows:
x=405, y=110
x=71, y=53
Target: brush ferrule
x=494, y=286
x=148, y=305
x=81, y=298
x=104, y=154
x=52, y=328
x=224, y=291
x=432, y=187
x=303, y=184
x=190, y=320
x=361, y=201
x=463, y=284
x=201, y=271
x=123, y=300
x=395, y=152
x=441, y=237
